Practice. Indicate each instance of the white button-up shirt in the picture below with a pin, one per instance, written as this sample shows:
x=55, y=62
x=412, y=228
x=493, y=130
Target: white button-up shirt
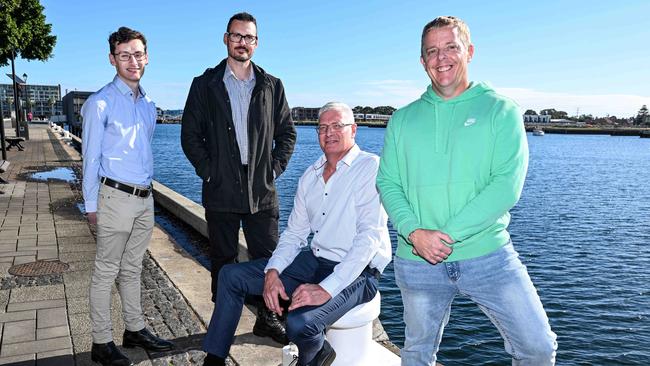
x=346, y=217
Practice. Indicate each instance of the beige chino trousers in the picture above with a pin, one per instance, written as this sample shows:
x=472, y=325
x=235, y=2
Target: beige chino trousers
x=124, y=227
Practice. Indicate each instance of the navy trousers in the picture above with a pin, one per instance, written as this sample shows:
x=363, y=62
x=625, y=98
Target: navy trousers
x=306, y=325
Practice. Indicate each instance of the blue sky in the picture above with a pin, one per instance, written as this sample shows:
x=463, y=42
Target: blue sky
x=570, y=55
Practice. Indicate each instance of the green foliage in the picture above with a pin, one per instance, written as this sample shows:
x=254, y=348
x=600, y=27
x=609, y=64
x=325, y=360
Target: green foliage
x=554, y=114
x=530, y=112
x=23, y=29
x=642, y=116
x=383, y=109
x=367, y=110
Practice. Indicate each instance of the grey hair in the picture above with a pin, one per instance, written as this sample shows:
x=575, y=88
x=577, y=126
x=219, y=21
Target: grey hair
x=347, y=115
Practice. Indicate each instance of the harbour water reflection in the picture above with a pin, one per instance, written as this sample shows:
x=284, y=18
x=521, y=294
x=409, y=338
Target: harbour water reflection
x=581, y=228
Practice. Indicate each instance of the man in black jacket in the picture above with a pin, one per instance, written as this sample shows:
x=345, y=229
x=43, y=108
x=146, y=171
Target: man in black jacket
x=238, y=134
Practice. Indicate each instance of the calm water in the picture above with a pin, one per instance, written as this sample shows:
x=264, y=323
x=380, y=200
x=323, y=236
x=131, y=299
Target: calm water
x=581, y=228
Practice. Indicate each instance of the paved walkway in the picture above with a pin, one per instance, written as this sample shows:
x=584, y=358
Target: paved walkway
x=44, y=320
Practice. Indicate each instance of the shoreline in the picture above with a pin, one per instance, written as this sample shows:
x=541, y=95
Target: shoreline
x=612, y=131
x=553, y=129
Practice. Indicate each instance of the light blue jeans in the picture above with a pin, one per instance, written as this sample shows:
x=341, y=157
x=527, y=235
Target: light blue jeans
x=498, y=283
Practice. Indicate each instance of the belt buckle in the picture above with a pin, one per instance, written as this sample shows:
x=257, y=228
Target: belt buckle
x=143, y=193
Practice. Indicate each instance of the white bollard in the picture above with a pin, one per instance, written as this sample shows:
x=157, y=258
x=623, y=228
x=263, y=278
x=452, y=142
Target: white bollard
x=351, y=338
x=289, y=354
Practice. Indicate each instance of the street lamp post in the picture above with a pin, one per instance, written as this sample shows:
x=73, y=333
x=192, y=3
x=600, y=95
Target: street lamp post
x=27, y=108
x=13, y=77
x=2, y=132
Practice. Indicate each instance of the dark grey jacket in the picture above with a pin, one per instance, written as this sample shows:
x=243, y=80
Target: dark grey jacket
x=209, y=142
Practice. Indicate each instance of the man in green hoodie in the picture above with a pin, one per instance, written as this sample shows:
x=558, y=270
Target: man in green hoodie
x=453, y=165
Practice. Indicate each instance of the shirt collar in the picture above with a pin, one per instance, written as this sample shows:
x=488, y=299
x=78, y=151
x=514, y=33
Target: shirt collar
x=348, y=159
x=125, y=89
x=230, y=74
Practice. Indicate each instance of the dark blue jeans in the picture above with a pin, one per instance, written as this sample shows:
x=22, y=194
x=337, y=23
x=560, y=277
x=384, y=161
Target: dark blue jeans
x=306, y=325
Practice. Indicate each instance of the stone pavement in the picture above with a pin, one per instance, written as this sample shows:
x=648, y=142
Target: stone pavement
x=44, y=319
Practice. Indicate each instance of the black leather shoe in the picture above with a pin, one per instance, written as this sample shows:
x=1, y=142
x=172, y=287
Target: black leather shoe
x=269, y=325
x=212, y=360
x=324, y=357
x=143, y=338
x=107, y=354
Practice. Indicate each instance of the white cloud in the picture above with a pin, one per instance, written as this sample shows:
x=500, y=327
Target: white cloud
x=620, y=105
x=396, y=93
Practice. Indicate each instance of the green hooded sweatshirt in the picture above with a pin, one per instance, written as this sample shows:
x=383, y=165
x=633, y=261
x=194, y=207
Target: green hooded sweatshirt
x=457, y=166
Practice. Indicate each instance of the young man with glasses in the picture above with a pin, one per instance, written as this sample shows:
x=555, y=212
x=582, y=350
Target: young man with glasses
x=238, y=134
x=118, y=125
x=453, y=164
x=338, y=203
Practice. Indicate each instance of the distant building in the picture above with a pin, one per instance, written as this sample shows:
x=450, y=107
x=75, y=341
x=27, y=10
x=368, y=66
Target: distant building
x=373, y=117
x=41, y=97
x=72, y=103
x=304, y=114
x=534, y=118
x=562, y=121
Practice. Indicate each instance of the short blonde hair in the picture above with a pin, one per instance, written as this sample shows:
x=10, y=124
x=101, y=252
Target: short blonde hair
x=447, y=21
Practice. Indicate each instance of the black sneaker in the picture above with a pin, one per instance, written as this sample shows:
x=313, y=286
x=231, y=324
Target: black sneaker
x=269, y=325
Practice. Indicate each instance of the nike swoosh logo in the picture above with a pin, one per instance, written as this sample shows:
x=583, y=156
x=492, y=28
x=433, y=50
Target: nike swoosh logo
x=470, y=121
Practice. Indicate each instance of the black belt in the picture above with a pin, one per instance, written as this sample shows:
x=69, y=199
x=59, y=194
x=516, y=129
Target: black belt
x=140, y=192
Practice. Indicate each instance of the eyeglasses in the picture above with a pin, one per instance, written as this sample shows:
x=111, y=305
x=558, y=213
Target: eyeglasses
x=450, y=48
x=237, y=37
x=126, y=56
x=336, y=127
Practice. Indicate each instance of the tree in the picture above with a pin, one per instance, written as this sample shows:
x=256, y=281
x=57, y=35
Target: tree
x=384, y=109
x=52, y=102
x=25, y=34
x=554, y=113
x=642, y=116
x=530, y=112
x=357, y=109
x=366, y=110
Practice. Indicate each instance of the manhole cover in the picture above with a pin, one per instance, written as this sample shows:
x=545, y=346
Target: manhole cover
x=39, y=268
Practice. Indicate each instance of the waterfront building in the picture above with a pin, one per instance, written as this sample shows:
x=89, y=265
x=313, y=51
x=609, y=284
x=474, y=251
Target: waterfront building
x=44, y=99
x=72, y=103
x=304, y=114
x=374, y=117
x=170, y=116
x=534, y=118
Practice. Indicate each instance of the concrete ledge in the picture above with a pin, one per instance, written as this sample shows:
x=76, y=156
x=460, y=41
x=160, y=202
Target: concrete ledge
x=190, y=213
x=182, y=207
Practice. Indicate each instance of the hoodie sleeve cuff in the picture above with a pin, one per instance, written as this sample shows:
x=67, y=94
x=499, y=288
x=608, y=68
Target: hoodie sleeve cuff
x=408, y=228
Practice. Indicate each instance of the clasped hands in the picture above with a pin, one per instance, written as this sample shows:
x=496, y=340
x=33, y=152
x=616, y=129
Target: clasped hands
x=306, y=294
x=432, y=245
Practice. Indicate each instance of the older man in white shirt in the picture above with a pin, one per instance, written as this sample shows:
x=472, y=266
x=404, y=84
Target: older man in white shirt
x=338, y=203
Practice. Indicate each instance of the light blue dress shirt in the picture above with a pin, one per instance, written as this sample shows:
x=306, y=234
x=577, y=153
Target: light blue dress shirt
x=116, y=139
x=239, y=93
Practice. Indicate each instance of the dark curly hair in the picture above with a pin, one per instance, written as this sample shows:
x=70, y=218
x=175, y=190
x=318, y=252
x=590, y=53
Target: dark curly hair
x=125, y=34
